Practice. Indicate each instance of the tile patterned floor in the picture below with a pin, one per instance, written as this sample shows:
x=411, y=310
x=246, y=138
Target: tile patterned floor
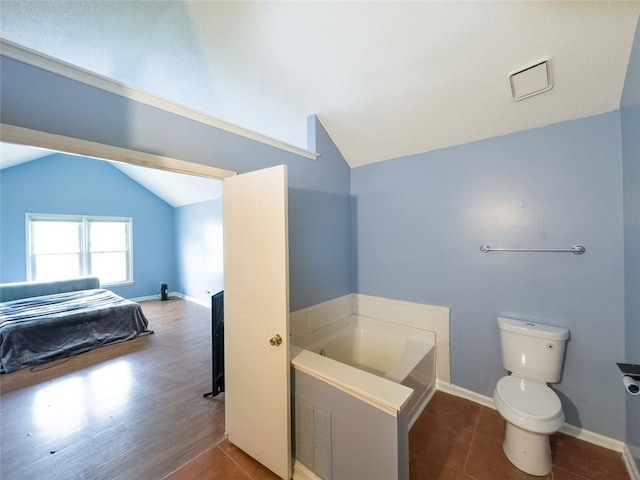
x=454, y=439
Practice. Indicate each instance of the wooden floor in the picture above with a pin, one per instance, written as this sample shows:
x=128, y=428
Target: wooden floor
x=133, y=410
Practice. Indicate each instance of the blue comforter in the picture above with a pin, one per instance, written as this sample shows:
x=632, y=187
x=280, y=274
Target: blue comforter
x=40, y=329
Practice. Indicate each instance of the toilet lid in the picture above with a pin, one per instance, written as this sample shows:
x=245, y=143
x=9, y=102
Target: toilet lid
x=529, y=398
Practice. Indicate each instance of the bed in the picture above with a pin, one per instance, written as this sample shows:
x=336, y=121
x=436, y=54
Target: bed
x=45, y=321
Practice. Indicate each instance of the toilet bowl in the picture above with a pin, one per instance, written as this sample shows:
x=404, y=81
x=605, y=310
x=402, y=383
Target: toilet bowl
x=533, y=411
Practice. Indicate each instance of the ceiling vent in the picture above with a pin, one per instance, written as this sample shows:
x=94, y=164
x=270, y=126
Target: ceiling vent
x=532, y=80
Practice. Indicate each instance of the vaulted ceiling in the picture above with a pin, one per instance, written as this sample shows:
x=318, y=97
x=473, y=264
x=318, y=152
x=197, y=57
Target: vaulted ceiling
x=386, y=79
x=176, y=189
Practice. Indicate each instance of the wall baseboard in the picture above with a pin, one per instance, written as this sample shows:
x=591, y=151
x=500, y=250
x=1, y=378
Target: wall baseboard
x=146, y=298
x=630, y=463
x=571, y=430
x=593, y=437
x=301, y=472
x=172, y=295
x=464, y=393
x=190, y=299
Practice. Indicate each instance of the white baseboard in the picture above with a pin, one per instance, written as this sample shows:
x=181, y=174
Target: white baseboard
x=172, y=295
x=191, y=299
x=630, y=463
x=464, y=393
x=300, y=472
x=592, y=437
x=146, y=298
x=580, y=433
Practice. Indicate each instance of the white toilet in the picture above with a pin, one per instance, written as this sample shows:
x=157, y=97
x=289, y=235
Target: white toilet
x=533, y=355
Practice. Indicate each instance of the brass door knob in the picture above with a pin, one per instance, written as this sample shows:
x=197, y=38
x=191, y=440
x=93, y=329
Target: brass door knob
x=276, y=341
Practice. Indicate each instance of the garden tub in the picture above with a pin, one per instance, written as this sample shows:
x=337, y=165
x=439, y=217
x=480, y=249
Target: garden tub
x=375, y=357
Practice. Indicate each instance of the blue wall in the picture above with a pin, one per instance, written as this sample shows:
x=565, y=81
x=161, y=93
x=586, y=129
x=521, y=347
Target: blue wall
x=65, y=184
x=420, y=222
x=34, y=98
x=630, y=120
x=199, y=252
x=319, y=224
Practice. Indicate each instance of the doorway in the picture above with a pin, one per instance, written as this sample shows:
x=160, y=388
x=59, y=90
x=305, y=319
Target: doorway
x=176, y=217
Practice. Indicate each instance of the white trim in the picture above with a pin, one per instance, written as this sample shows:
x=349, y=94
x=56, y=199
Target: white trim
x=73, y=72
x=147, y=298
x=191, y=299
x=577, y=432
x=630, y=463
x=464, y=393
x=593, y=437
x=86, y=148
x=84, y=222
x=171, y=295
x=300, y=472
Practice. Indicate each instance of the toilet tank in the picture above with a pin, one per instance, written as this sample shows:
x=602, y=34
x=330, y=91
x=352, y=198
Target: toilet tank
x=532, y=350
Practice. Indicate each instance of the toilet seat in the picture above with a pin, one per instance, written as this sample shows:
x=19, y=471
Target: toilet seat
x=529, y=405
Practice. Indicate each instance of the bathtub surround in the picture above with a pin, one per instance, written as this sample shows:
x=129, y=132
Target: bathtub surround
x=390, y=321
x=372, y=360
x=307, y=320
x=429, y=318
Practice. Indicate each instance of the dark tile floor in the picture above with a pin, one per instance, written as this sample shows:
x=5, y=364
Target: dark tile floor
x=454, y=439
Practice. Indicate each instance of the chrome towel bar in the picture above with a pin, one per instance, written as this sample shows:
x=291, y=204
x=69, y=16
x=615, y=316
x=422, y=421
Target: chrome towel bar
x=577, y=249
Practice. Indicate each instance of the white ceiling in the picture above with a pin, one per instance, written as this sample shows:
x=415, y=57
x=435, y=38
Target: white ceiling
x=11, y=154
x=176, y=189
x=386, y=79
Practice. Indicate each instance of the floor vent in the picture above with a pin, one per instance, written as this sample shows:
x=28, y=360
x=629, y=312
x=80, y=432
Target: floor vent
x=313, y=438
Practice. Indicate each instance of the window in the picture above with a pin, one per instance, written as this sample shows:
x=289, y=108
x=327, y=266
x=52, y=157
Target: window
x=66, y=246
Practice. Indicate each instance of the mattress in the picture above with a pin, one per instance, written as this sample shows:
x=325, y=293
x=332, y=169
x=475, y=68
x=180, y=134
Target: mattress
x=37, y=330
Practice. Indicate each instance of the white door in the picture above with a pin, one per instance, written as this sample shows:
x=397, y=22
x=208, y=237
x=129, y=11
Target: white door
x=256, y=314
